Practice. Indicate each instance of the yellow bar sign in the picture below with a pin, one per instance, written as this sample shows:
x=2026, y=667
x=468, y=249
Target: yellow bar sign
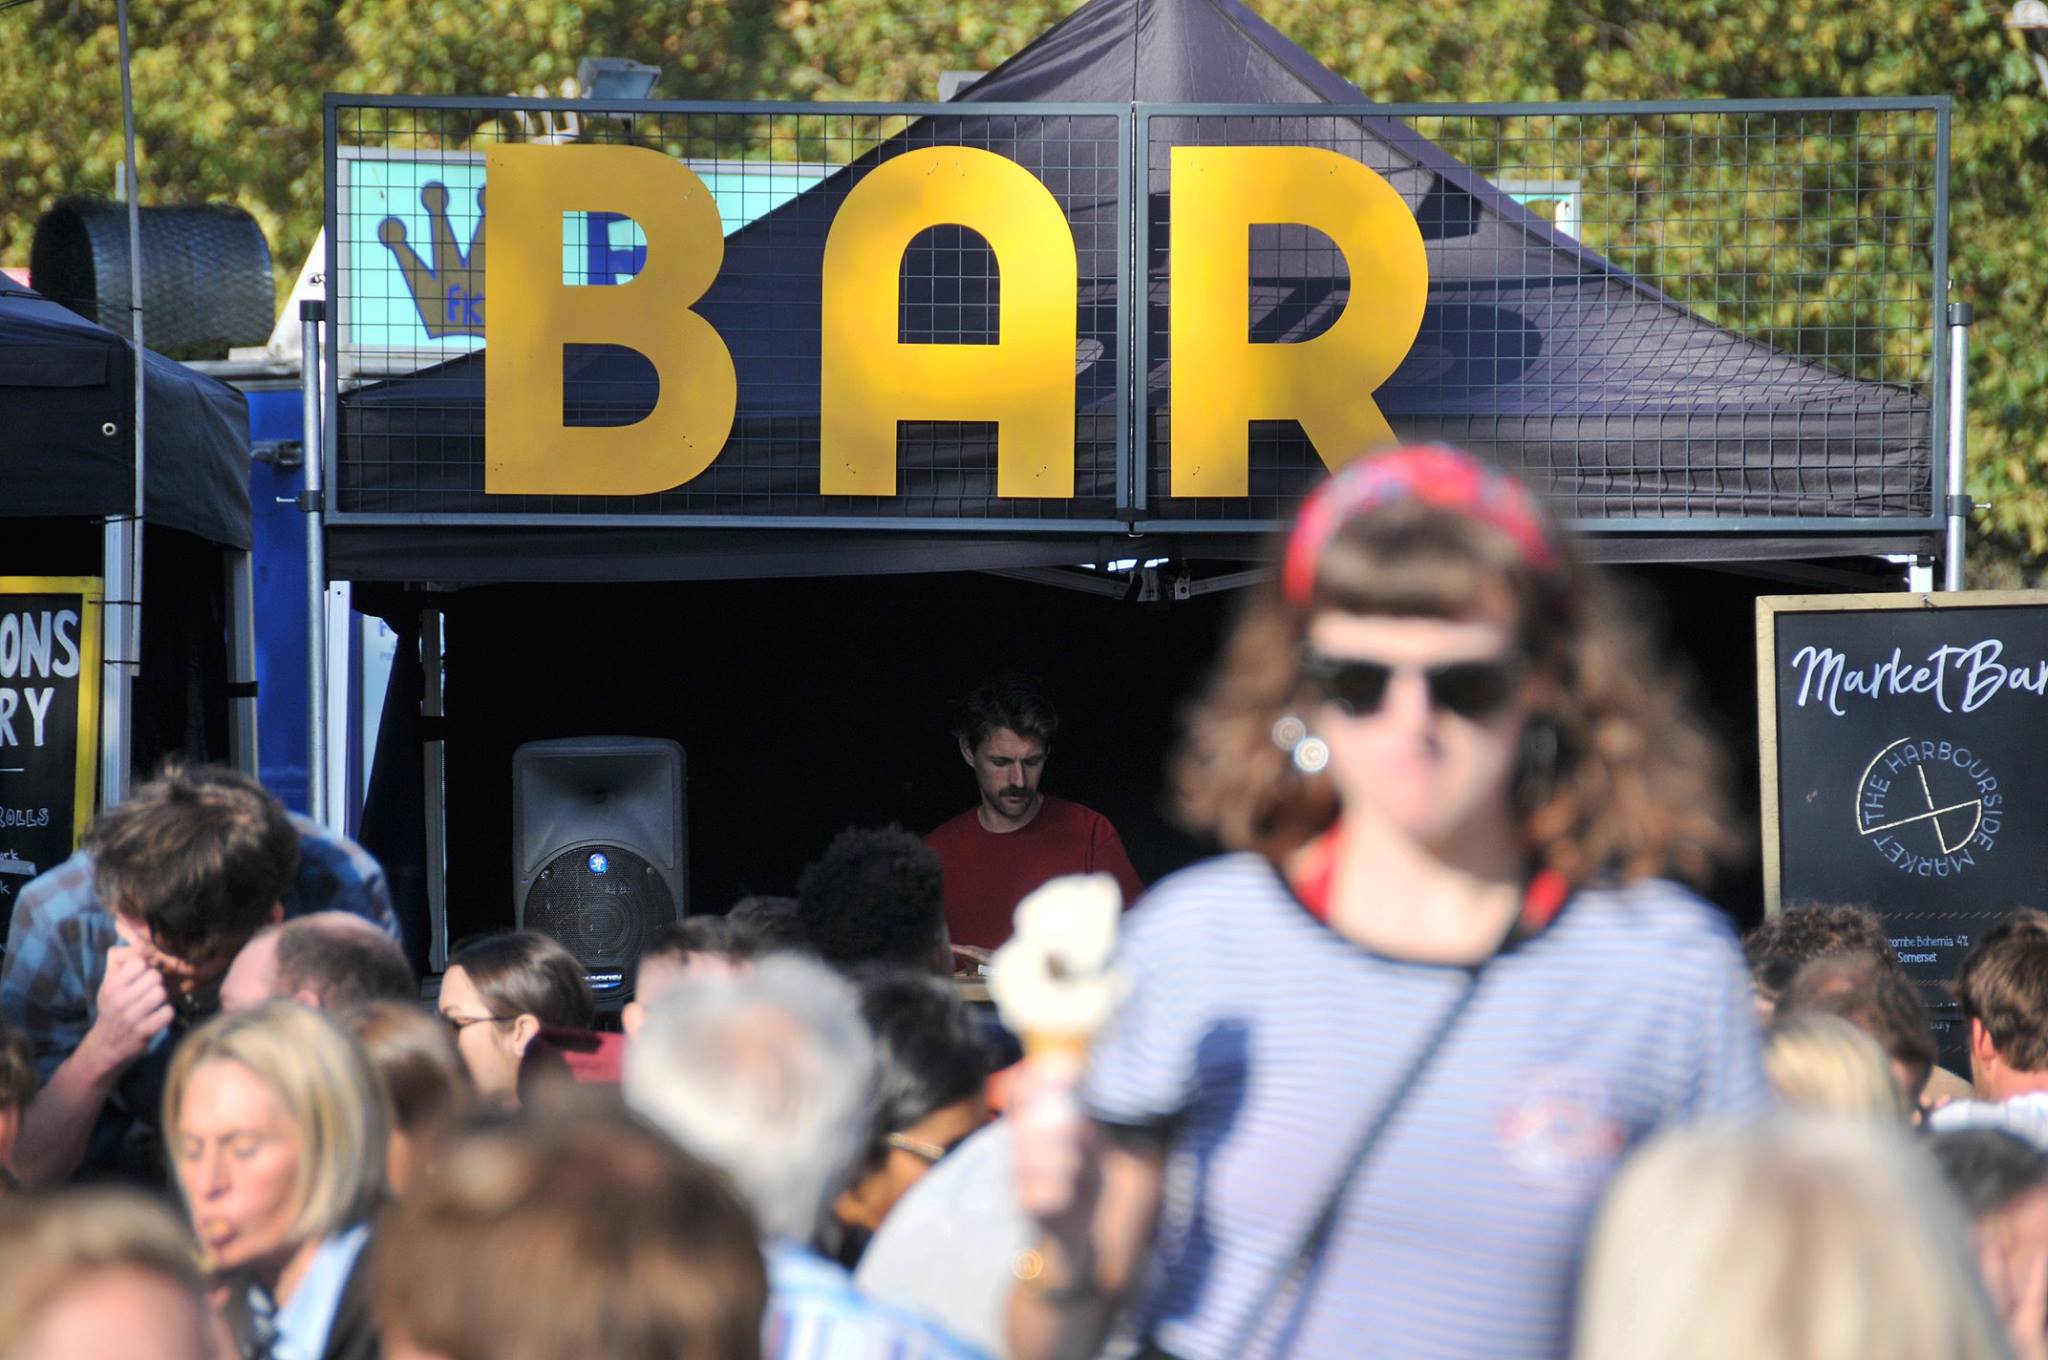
x=869, y=380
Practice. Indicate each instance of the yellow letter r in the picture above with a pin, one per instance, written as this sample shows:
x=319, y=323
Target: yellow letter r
x=1221, y=380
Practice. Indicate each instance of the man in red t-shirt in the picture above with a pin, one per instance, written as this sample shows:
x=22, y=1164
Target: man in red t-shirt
x=1015, y=837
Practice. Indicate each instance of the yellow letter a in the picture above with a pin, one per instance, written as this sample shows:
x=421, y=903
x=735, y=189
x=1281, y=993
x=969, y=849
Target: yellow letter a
x=1025, y=381
x=531, y=314
x=1221, y=380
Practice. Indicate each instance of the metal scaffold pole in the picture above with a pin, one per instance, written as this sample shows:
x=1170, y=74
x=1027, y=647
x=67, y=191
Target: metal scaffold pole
x=311, y=313
x=121, y=544
x=1959, y=503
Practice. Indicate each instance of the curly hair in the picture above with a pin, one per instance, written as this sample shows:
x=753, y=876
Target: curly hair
x=1638, y=788
x=1805, y=931
x=874, y=896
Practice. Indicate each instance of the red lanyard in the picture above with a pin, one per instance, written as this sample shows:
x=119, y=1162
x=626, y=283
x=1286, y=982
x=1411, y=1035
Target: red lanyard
x=1542, y=898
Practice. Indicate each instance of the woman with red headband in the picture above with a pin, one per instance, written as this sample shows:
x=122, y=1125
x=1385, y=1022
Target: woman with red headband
x=1377, y=1065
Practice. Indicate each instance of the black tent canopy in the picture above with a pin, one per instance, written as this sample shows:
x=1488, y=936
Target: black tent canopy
x=67, y=428
x=67, y=461
x=1637, y=415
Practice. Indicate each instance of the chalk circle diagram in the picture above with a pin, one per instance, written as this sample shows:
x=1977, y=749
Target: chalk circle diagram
x=1920, y=813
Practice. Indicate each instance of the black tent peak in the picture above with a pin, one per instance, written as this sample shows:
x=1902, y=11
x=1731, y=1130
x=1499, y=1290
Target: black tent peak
x=1619, y=400
x=1164, y=52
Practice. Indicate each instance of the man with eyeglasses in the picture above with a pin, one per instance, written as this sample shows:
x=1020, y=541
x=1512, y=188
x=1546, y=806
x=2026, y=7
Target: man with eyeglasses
x=1015, y=837
x=120, y=949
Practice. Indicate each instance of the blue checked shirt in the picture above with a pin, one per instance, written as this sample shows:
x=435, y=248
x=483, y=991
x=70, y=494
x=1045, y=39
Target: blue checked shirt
x=816, y=1312
x=59, y=934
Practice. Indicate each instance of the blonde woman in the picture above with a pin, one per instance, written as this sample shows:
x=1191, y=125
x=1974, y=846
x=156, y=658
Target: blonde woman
x=1822, y=1064
x=1793, y=1239
x=277, y=1129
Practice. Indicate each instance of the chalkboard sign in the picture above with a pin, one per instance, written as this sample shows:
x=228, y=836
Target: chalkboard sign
x=1905, y=761
x=49, y=722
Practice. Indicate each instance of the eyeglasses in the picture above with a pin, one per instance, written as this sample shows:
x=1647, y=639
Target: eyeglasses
x=459, y=1023
x=928, y=1153
x=1469, y=689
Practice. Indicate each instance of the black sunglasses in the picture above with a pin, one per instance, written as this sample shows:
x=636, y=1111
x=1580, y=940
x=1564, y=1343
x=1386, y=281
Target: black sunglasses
x=1469, y=689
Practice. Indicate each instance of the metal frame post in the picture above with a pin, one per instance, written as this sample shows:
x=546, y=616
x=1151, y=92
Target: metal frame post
x=1959, y=504
x=119, y=662
x=121, y=542
x=434, y=767
x=312, y=312
x=242, y=719
x=344, y=697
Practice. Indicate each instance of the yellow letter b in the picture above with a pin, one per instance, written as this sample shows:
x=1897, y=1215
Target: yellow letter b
x=1024, y=382
x=532, y=315
x=1221, y=380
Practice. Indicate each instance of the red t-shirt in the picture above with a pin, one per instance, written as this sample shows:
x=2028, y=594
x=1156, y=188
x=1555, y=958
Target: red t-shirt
x=988, y=873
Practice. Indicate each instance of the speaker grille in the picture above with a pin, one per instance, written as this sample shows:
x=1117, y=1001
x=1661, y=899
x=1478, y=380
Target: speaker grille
x=605, y=918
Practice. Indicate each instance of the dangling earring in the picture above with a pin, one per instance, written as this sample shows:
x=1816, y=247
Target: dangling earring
x=1536, y=771
x=1309, y=752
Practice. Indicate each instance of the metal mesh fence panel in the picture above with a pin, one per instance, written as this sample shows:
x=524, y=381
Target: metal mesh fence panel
x=1658, y=313
x=1723, y=315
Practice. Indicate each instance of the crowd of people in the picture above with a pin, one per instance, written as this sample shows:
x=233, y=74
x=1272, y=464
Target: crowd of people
x=1435, y=1058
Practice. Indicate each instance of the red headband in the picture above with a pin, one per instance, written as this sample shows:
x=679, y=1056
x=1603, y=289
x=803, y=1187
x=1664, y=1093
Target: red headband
x=1432, y=474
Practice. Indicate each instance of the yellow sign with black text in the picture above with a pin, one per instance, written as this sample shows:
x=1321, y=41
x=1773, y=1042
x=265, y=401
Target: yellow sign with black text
x=49, y=721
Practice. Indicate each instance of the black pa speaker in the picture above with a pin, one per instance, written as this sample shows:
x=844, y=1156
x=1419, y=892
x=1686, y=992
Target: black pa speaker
x=598, y=848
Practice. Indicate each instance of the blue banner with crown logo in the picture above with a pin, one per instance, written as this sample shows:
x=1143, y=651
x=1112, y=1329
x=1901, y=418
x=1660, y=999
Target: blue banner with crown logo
x=413, y=240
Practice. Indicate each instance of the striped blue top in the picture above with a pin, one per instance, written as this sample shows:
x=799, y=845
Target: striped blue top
x=1262, y=1043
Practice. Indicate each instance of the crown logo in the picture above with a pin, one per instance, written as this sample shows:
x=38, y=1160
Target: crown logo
x=449, y=293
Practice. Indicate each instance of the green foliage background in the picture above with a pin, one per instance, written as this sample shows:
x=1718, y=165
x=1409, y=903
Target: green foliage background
x=228, y=95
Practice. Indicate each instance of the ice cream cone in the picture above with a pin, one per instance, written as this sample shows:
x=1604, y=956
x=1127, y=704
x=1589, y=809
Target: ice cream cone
x=1052, y=982
x=1038, y=1047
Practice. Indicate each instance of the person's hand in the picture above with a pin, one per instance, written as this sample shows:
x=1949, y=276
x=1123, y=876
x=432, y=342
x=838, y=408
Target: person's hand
x=1058, y=1175
x=134, y=1008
